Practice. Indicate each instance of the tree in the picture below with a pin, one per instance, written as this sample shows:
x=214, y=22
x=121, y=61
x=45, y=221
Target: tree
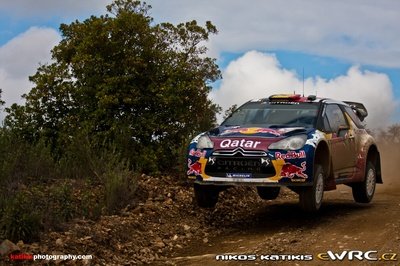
x=124, y=79
x=230, y=111
x=1, y=101
x=391, y=134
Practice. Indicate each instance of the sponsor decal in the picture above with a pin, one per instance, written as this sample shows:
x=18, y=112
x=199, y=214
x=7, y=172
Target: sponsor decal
x=252, y=130
x=290, y=170
x=243, y=143
x=194, y=168
x=290, y=155
x=238, y=163
x=315, y=138
x=282, y=102
x=351, y=255
x=288, y=129
x=239, y=175
x=298, y=180
x=211, y=160
x=265, y=161
x=197, y=153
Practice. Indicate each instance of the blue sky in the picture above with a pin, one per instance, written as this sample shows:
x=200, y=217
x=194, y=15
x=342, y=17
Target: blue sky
x=348, y=49
x=314, y=65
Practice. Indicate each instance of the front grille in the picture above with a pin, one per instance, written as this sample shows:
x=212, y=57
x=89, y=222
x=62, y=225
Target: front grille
x=239, y=152
x=223, y=166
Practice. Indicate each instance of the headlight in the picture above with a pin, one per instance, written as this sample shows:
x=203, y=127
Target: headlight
x=289, y=143
x=205, y=142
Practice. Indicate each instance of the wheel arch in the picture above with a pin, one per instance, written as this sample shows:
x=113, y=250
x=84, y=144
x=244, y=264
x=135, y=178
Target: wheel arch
x=374, y=157
x=322, y=157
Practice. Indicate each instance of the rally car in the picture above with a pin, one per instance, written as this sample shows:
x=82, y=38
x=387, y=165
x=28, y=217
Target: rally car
x=307, y=144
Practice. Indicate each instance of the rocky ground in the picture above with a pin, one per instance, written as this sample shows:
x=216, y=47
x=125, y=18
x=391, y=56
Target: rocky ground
x=163, y=221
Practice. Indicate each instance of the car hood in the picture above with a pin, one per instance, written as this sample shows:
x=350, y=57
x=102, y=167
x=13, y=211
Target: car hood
x=264, y=132
x=251, y=138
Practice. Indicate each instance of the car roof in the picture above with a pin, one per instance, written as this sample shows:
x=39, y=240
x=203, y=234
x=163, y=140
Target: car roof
x=297, y=98
x=358, y=108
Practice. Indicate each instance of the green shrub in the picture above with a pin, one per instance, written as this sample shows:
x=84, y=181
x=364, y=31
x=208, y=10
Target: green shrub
x=120, y=186
x=20, y=219
x=38, y=192
x=77, y=158
x=90, y=205
x=20, y=160
x=64, y=207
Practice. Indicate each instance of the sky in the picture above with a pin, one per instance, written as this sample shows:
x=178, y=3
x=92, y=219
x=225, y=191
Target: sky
x=345, y=49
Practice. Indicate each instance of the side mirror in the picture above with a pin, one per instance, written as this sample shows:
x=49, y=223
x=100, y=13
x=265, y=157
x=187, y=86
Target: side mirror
x=361, y=113
x=359, y=109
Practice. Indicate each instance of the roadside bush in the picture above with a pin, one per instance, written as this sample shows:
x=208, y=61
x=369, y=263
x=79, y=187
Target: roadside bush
x=78, y=159
x=180, y=168
x=120, y=186
x=21, y=163
x=64, y=205
x=37, y=192
x=20, y=219
x=20, y=160
x=91, y=201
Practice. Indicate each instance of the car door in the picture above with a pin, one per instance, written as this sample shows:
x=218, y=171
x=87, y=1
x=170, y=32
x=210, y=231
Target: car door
x=342, y=142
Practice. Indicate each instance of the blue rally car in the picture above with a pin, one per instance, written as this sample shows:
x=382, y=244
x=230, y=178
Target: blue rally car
x=307, y=144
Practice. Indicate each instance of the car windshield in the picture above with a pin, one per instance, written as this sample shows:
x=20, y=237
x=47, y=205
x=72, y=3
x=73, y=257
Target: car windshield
x=265, y=114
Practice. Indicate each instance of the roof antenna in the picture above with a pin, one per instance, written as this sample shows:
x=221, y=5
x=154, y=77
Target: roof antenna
x=303, y=81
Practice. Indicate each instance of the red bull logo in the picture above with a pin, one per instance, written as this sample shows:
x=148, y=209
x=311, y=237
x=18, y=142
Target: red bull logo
x=290, y=170
x=194, y=168
x=197, y=153
x=290, y=155
x=252, y=130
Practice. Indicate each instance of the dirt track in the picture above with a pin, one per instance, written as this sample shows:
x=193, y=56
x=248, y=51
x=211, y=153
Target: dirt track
x=280, y=227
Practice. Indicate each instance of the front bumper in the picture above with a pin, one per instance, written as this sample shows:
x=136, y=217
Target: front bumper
x=277, y=172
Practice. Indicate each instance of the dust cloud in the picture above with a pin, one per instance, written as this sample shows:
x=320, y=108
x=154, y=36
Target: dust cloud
x=390, y=164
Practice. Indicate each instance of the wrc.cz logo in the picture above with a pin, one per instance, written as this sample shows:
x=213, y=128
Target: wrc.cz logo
x=351, y=255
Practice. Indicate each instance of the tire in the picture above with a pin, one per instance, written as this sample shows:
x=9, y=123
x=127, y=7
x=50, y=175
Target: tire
x=206, y=196
x=364, y=191
x=311, y=197
x=268, y=193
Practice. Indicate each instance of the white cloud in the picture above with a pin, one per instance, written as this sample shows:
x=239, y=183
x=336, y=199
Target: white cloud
x=258, y=75
x=360, y=31
x=20, y=57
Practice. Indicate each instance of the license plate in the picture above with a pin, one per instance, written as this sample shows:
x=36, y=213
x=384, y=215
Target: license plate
x=239, y=175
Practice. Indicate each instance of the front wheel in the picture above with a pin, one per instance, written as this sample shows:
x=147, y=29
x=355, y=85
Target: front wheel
x=206, y=196
x=311, y=197
x=363, y=192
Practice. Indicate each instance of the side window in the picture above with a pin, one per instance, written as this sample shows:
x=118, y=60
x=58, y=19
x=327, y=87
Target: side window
x=335, y=117
x=323, y=123
x=327, y=127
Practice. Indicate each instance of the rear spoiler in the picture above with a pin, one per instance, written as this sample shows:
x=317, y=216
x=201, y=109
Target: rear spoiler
x=359, y=109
